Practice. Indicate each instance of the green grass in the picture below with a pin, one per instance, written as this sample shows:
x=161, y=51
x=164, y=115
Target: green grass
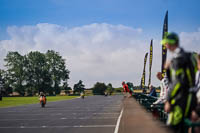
x=17, y=101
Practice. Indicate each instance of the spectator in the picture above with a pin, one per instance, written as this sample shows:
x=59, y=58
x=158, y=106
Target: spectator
x=126, y=89
x=163, y=88
x=130, y=87
x=152, y=91
x=181, y=74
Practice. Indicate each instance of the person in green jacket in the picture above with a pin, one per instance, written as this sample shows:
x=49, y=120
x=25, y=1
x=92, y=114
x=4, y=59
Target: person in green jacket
x=181, y=70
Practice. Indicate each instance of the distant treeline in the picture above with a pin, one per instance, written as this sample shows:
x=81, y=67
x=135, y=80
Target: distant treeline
x=33, y=73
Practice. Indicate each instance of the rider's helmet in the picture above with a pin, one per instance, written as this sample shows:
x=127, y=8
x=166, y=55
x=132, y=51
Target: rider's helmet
x=171, y=38
x=41, y=93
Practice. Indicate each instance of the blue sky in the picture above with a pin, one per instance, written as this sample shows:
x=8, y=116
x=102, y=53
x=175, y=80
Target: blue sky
x=97, y=34
x=147, y=14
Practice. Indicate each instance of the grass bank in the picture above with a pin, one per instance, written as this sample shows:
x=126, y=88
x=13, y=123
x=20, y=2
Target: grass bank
x=17, y=101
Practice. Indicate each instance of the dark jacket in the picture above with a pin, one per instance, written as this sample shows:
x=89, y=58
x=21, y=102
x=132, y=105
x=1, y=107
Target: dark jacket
x=153, y=92
x=181, y=78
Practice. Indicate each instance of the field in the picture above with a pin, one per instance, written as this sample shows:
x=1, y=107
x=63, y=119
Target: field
x=16, y=101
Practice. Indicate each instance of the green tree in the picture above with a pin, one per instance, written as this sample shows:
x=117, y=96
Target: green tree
x=1, y=85
x=35, y=72
x=110, y=89
x=99, y=88
x=66, y=88
x=15, y=64
x=57, y=69
x=38, y=77
x=2, y=82
x=79, y=87
x=5, y=83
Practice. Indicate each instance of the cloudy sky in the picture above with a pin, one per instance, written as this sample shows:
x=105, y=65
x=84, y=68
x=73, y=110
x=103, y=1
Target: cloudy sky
x=101, y=40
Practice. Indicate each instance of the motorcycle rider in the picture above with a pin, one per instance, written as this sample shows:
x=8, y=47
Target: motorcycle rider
x=42, y=98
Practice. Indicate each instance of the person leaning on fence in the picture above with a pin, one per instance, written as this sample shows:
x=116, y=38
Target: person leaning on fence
x=163, y=88
x=126, y=89
x=152, y=91
x=130, y=87
x=180, y=71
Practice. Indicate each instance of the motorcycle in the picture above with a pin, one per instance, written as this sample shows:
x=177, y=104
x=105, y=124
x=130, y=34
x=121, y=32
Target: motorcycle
x=82, y=95
x=106, y=94
x=42, y=101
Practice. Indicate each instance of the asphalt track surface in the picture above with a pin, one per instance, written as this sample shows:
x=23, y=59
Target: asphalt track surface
x=94, y=114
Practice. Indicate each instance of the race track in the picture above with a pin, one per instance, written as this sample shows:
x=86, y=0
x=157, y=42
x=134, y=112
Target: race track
x=94, y=114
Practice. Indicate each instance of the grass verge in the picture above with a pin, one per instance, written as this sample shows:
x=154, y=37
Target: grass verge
x=17, y=101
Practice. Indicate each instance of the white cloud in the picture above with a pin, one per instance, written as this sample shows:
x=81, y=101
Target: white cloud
x=191, y=40
x=96, y=52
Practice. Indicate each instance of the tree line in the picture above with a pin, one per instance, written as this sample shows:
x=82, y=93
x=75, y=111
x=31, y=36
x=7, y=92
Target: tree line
x=35, y=72
x=38, y=72
x=98, y=88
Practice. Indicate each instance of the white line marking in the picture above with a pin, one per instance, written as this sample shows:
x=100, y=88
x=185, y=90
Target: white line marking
x=76, y=126
x=118, y=121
